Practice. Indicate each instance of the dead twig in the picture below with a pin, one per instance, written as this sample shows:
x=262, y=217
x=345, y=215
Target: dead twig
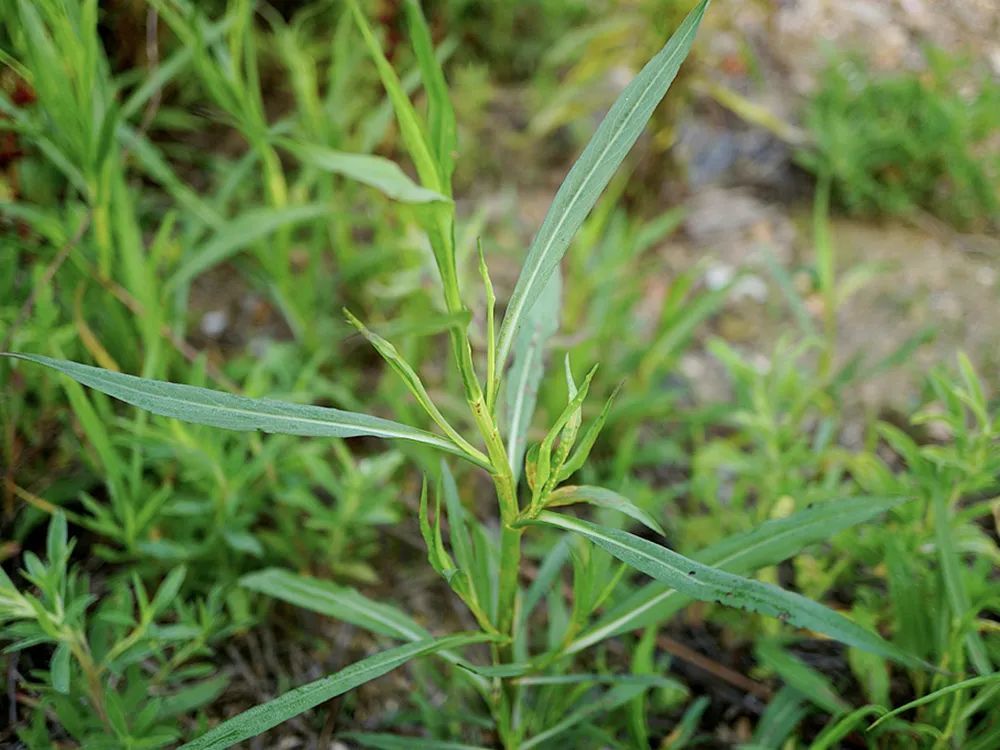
x=713, y=667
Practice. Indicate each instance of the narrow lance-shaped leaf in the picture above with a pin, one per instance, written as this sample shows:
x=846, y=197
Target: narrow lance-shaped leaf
x=408, y=375
x=706, y=583
x=767, y=544
x=615, y=697
x=410, y=128
x=260, y=718
x=591, y=173
x=579, y=456
x=240, y=232
x=527, y=370
x=795, y=673
x=436, y=218
x=544, y=479
x=604, y=498
x=987, y=679
x=461, y=540
x=567, y=438
x=59, y=669
x=437, y=555
x=231, y=412
x=340, y=602
x=375, y=171
x=491, y=339
x=440, y=115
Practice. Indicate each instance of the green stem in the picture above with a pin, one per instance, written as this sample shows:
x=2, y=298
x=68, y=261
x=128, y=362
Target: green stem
x=80, y=649
x=825, y=271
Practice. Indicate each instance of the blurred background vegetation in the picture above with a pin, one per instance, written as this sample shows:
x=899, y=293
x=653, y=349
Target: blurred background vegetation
x=783, y=275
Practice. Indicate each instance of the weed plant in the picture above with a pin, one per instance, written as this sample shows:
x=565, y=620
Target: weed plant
x=895, y=143
x=534, y=668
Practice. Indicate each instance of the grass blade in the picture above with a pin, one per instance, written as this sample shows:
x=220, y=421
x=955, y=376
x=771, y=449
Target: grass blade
x=440, y=114
x=230, y=412
x=260, y=718
x=236, y=234
x=615, y=697
x=375, y=171
x=437, y=218
x=841, y=727
x=783, y=714
x=706, y=583
x=340, y=602
x=801, y=677
x=591, y=173
x=410, y=128
x=931, y=697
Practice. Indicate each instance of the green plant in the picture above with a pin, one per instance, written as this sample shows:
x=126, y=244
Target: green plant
x=120, y=675
x=104, y=239
x=511, y=38
x=483, y=567
x=893, y=144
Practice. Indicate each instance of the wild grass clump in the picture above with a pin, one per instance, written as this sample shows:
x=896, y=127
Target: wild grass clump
x=898, y=142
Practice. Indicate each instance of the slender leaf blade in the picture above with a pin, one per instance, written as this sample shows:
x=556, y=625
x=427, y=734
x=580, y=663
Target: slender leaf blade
x=59, y=669
x=617, y=696
x=260, y=718
x=440, y=114
x=706, y=583
x=340, y=602
x=767, y=544
x=986, y=679
x=603, y=498
x=591, y=173
x=375, y=171
x=410, y=127
x=803, y=678
x=240, y=232
x=239, y=413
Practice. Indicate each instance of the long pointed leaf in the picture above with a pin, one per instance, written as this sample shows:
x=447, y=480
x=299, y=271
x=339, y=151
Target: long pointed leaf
x=592, y=172
x=767, y=544
x=260, y=718
x=604, y=498
x=375, y=171
x=609, y=701
x=230, y=412
x=340, y=602
x=440, y=115
x=240, y=232
x=410, y=128
x=706, y=583
x=955, y=687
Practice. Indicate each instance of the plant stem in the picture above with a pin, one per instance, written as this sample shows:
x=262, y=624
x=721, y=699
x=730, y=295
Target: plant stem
x=80, y=649
x=825, y=271
x=510, y=564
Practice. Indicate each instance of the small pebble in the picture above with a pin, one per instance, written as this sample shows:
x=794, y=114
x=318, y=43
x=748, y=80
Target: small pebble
x=214, y=323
